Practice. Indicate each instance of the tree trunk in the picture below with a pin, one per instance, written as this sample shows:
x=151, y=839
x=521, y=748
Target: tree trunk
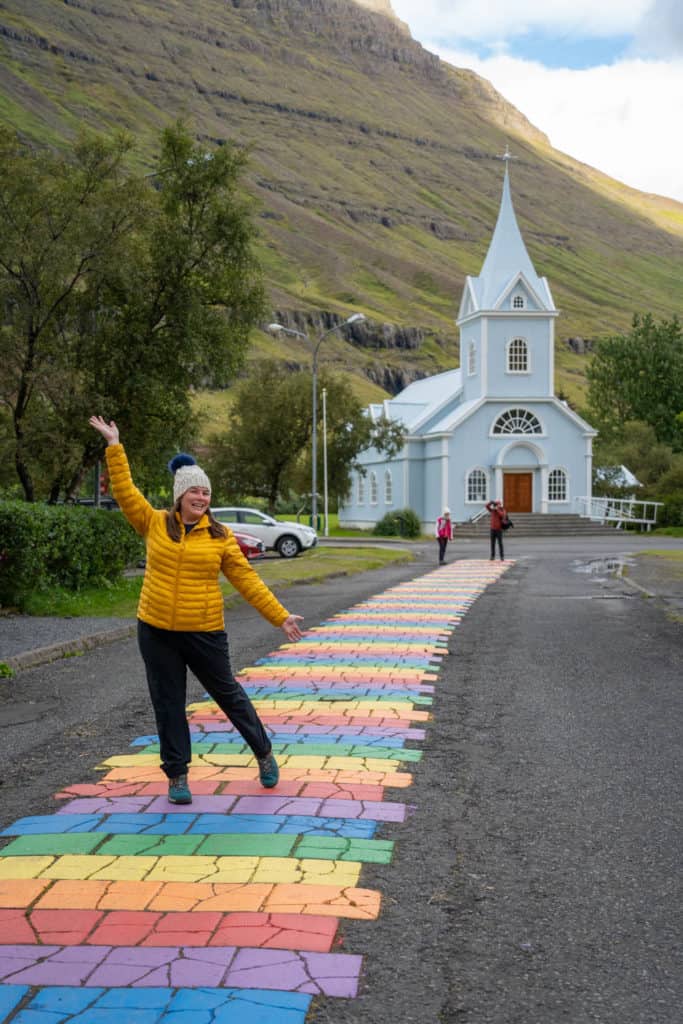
x=53, y=496
x=20, y=406
x=74, y=484
x=24, y=475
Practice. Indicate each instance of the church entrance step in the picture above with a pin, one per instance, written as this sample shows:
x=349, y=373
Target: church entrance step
x=534, y=524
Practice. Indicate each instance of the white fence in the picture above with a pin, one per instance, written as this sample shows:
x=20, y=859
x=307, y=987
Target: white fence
x=621, y=511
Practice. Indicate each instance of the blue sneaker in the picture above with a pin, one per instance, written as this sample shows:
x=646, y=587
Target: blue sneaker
x=268, y=771
x=179, y=791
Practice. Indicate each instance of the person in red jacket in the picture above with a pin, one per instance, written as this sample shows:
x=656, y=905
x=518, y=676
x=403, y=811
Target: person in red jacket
x=444, y=533
x=498, y=517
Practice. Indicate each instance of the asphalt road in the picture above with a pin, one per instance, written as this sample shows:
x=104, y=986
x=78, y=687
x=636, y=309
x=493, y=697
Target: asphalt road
x=537, y=879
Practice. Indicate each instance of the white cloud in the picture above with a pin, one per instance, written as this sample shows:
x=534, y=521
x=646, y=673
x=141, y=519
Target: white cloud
x=660, y=31
x=472, y=19
x=623, y=119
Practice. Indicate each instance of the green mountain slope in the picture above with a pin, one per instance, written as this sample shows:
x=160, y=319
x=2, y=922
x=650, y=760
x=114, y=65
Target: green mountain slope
x=375, y=166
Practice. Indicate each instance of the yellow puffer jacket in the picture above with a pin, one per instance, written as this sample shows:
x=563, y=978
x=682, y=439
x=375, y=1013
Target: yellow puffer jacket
x=180, y=590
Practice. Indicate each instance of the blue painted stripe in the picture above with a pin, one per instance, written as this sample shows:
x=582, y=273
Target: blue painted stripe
x=62, y=1005
x=283, y=738
x=10, y=997
x=192, y=824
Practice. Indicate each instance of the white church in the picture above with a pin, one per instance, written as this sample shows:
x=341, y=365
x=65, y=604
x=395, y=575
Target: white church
x=492, y=429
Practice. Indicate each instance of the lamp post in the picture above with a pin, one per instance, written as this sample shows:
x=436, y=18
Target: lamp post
x=281, y=329
x=326, y=518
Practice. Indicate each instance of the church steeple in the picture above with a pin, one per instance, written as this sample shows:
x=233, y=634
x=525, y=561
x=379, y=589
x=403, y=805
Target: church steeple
x=506, y=318
x=507, y=261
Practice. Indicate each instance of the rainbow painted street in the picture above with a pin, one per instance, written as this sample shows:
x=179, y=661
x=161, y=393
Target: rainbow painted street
x=121, y=907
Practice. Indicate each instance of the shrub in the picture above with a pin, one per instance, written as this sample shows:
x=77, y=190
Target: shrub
x=672, y=512
x=60, y=545
x=402, y=523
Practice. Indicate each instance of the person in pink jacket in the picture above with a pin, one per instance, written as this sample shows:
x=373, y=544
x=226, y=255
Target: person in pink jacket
x=444, y=533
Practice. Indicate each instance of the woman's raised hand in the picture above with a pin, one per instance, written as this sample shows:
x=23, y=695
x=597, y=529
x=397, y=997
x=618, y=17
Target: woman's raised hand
x=109, y=431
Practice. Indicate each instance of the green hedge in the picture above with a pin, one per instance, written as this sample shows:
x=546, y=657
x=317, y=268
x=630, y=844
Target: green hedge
x=402, y=523
x=672, y=512
x=60, y=545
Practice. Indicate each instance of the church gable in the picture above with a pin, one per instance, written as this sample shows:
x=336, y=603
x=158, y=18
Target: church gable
x=468, y=303
x=520, y=297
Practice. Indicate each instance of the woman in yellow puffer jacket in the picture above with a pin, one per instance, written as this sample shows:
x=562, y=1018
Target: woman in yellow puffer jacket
x=180, y=613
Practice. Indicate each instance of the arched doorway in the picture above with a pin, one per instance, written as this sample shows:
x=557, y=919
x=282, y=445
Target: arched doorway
x=520, y=468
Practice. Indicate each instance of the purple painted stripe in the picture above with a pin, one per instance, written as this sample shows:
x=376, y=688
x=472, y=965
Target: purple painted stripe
x=331, y=974
x=304, y=729
x=373, y=810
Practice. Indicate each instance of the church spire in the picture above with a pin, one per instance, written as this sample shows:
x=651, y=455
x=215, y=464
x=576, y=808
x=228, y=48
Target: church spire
x=507, y=256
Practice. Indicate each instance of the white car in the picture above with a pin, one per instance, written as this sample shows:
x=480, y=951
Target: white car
x=288, y=539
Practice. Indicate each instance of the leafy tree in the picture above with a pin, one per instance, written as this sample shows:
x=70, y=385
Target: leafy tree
x=266, y=451
x=269, y=428
x=639, y=376
x=61, y=223
x=636, y=448
x=120, y=294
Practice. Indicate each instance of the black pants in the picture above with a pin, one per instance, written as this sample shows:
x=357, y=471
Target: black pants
x=443, y=544
x=497, y=535
x=167, y=655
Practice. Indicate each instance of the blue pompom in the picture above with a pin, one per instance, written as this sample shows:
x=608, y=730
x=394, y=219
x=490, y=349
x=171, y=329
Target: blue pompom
x=181, y=459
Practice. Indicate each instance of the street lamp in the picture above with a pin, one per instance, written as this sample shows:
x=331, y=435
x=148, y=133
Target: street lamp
x=326, y=517
x=355, y=318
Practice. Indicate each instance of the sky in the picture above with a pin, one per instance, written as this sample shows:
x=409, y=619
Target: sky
x=602, y=78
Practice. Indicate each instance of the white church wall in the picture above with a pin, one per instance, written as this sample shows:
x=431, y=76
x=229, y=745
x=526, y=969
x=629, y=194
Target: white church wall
x=471, y=357
x=559, y=445
x=531, y=383
x=416, y=482
x=366, y=504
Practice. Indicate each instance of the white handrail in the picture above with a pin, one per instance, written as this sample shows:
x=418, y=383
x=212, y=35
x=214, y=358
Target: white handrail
x=619, y=510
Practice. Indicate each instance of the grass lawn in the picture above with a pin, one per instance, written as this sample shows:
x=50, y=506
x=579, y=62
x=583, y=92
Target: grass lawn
x=119, y=600
x=674, y=558
x=335, y=530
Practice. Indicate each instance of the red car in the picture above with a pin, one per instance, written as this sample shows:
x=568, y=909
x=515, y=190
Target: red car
x=250, y=546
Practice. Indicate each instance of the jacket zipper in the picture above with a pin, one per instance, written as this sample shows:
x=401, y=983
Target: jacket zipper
x=177, y=576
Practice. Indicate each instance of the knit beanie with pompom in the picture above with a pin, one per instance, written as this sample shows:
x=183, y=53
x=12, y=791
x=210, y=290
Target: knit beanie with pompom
x=186, y=474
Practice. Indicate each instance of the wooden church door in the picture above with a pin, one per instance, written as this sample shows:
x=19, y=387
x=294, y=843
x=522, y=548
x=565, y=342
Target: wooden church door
x=517, y=492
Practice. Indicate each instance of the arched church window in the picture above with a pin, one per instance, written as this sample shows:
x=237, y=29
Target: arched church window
x=360, y=494
x=476, y=485
x=373, y=488
x=518, y=302
x=471, y=359
x=517, y=421
x=557, y=485
x=388, y=488
x=518, y=356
